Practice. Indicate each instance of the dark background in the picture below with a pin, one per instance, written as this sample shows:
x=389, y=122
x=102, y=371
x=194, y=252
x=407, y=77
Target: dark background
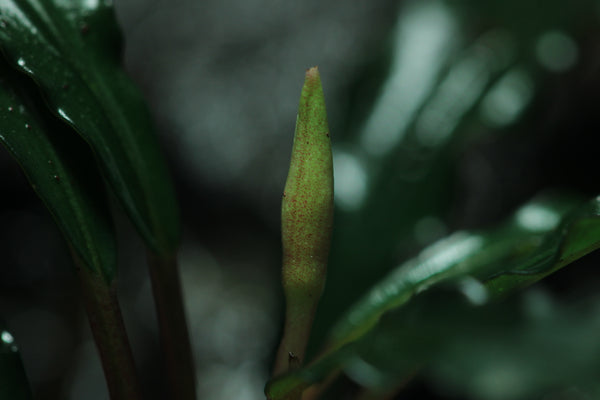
x=444, y=115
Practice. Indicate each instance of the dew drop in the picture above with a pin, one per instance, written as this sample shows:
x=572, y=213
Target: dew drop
x=56, y=178
x=27, y=126
x=22, y=63
x=64, y=115
x=6, y=337
x=10, y=109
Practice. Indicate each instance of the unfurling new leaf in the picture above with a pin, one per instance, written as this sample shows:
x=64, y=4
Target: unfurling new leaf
x=306, y=221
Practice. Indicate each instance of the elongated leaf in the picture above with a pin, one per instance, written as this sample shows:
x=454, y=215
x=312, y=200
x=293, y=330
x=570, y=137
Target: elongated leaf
x=499, y=350
x=60, y=170
x=543, y=236
x=70, y=48
x=404, y=153
x=14, y=384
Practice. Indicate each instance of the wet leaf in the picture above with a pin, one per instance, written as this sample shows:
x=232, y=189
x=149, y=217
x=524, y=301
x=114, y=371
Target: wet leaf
x=542, y=236
x=499, y=350
x=71, y=50
x=60, y=169
x=14, y=384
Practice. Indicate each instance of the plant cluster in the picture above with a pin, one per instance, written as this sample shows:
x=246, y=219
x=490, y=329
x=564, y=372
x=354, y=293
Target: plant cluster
x=80, y=131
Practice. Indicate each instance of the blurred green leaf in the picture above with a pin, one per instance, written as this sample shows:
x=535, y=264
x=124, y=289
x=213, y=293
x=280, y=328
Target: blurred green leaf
x=542, y=236
x=71, y=49
x=406, y=150
x=457, y=75
x=14, y=384
x=521, y=348
x=60, y=169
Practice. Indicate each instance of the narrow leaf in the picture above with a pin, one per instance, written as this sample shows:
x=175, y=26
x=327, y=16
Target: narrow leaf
x=71, y=50
x=60, y=170
x=14, y=384
x=522, y=251
x=498, y=350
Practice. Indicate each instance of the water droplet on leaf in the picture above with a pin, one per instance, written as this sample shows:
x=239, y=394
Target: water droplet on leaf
x=6, y=337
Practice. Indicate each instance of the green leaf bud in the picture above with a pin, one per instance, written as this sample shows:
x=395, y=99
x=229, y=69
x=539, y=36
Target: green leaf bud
x=306, y=221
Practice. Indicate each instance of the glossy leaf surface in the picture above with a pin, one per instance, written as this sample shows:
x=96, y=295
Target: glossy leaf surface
x=61, y=170
x=14, y=384
x=543, y=236
x=71, y=49
x=522, y=348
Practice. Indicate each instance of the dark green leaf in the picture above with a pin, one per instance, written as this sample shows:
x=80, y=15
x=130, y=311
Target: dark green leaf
x=14, y=384
x=407, y=150
x=60, y=169
x=524, y=250
x=543, y=236
x=71, y=49
x=495, y=351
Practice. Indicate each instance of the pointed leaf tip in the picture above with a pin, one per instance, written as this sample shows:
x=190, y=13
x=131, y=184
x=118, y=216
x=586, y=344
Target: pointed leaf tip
x=306, y=221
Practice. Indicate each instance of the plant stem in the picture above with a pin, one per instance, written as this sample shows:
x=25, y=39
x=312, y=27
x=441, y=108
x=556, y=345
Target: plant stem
x=174, y=335
x=108, y=329
x=292, y=347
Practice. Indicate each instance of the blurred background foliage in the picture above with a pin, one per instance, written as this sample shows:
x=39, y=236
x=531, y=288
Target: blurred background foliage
x=444, y=115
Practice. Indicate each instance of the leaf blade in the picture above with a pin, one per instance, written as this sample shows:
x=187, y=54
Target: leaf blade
x=13, y=379
x=58, y=168
x=70, y=49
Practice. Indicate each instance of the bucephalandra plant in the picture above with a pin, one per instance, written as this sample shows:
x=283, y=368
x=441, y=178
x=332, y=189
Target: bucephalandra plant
x=80, y=130
x=306, y=222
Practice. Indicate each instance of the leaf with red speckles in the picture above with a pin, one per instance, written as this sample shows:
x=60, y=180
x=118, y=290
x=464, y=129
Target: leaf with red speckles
x=306, y=221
